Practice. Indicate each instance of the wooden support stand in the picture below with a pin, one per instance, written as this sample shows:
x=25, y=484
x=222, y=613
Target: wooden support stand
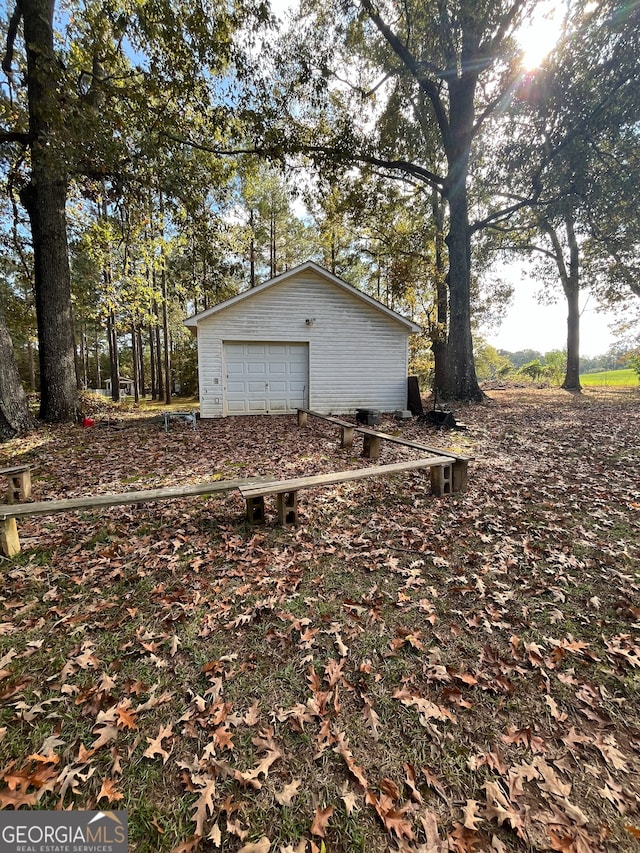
x=9, y=541
x=347, y=437
x=460, y=475
x=346, y=429
x=371, y=445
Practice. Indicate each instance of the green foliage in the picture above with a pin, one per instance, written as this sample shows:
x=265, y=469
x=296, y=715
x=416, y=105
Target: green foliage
x=490, y=364
x=533, y=369
x=555, y=365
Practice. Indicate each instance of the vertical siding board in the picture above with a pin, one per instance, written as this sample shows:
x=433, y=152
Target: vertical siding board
x=358, y=356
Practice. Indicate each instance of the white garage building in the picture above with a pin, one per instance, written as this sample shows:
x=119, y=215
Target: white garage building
x=304, y=339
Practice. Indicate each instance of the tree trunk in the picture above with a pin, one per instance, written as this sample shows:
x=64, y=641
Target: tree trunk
x=44, y=199
x=572, y=376
x=570, y=279
x=165, y=309
x=15, y=417
x=252, y=250
x=141, y=373
x=572, y=292
x=97, y=357
x=439, y=330
x=460, y=381
x=152, y=363
x=114, y=361
x=159, y=382
x=135, y=363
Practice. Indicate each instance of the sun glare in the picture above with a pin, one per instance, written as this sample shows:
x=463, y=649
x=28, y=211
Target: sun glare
x=539, y=35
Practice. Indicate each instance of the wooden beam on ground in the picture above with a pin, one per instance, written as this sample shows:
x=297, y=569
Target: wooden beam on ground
x=406, y=442
x=346, y=428
x=286, y=490
x=10, y=544
x=119, y=499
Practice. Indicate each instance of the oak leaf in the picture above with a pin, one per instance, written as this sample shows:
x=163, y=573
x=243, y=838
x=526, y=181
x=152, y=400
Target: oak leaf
x=286, y=795
x=347, y=756
x=108, y=790
x=223, y=738
x=106, y=733
x=471, y=816
x=126, y=718
x=349, y=800
x=395, y=821
x=320, y=820
x=252, y=716
x=215, y=836
x=371, y=718
x=155, y=744
x=204, y=804
x=614, y=793
x=552, y=783
x=608, y=747
x=262, y=846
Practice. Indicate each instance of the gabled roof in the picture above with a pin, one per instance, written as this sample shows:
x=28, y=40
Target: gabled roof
x=192, y=322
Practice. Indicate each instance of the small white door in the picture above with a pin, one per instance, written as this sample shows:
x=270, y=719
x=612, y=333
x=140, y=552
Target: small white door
x=265, y=378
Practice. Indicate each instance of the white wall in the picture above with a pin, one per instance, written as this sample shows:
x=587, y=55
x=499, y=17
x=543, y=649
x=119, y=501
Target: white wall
x=358, y=356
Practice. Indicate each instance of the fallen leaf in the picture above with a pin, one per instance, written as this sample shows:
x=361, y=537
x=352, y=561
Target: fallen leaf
x=108, y=790
x=204, y=805
x=155, y=744
x=321, y=818
x=262, y=846
x=286, y=795
x=471, y=816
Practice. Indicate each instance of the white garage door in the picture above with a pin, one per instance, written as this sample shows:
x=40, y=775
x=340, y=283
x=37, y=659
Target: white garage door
x=265, y=378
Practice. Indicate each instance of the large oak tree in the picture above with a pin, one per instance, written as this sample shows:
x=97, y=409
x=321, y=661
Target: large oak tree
x=442, y=71
x=44, y=196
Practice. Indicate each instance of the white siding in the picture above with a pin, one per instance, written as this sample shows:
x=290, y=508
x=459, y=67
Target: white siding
x=358, y=356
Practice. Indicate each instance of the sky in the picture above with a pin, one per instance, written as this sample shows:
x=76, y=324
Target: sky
x=529, y=325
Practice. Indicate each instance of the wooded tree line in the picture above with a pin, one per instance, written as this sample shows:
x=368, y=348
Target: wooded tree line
x=156, y=157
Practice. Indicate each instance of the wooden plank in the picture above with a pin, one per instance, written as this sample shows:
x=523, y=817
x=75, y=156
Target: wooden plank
x=15, y=469
x=329, y=418
x=278, y=486
x=118, y=499
x=409, y=443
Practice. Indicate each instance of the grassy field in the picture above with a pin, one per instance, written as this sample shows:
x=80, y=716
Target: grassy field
x=611, y=379
x=399, y=673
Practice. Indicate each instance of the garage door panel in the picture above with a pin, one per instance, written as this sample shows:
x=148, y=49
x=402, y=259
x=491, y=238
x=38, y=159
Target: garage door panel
x=265, y=377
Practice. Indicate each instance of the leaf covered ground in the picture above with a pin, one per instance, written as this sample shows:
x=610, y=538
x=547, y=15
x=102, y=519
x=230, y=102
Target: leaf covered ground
x=400, y=672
